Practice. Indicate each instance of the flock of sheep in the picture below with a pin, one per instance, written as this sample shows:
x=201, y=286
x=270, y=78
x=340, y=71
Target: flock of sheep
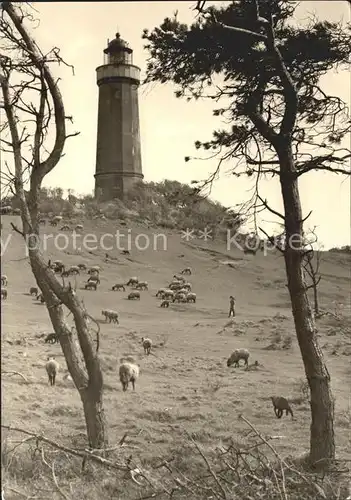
x=179, y=290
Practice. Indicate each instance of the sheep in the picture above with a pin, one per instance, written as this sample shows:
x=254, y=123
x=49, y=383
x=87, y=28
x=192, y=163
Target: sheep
x=3, y=293
x=175, y=286
x=65, y=227
x=187, y=286
x=52, y=367
x=42, y=221
x=65, y=274
x=74, y=270
x=82, y=267
x=125, y=252
x=94, y=279
x=40, y=297
x=187, y=270
x=33, y=290
x=52, y=338
x=168, y=294
x=280, y=404
x=79, y=227
x=118, y=286
x=147, y=344
x=90, y=285
x=55, y=220
x=4, y=280
x=128, y=372
x=132, y=281
x=165, y=303
x=179, y=297
x=191, y=297
x=142, y=285
x=178, y=277
x=112, y=316
x=160, y=292
x=237, y=355
x=94, y=270
x=134, y=295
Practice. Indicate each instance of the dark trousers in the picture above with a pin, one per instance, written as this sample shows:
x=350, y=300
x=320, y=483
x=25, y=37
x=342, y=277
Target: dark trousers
x=231, y=310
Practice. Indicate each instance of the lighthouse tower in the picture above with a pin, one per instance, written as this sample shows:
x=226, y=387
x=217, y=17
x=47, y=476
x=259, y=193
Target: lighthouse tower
x=118, y=155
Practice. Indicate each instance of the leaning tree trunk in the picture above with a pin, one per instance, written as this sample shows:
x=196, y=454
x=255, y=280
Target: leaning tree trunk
x=322, y=442
x=88, y=381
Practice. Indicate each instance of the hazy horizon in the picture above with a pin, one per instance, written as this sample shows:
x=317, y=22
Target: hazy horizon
x=169, y=126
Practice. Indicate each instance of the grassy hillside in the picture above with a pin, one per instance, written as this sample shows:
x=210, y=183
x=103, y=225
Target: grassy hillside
x=185, y=383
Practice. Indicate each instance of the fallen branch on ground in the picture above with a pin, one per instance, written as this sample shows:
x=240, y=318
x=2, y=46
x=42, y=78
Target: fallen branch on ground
x=14, y=373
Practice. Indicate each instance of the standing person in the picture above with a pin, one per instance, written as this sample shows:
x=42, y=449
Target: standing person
x=232, y=304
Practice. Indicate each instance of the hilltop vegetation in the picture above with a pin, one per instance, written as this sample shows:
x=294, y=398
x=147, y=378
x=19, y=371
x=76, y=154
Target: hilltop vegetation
x=167, y=204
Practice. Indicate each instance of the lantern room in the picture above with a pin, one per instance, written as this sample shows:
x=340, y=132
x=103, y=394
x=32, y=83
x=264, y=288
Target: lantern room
x=118, y=52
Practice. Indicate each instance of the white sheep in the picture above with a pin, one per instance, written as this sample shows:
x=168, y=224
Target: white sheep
x=52, y=367
x=191, y=297
x=147, y=344
x=237, y=355
x=128, y=372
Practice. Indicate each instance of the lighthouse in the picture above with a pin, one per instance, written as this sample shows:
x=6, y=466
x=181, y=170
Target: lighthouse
x=118, y=154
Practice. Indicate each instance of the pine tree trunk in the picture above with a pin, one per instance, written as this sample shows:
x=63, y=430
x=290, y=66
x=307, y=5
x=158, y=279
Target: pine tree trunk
x=322, y=442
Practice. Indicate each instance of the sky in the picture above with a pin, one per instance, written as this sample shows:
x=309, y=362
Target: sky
x=170, y=126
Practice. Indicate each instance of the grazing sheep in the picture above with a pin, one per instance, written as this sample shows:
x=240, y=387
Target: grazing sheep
x=179, y=297
x=55, y=220
x=65, y=274
x=112, y=316
x=132, y=281
x=160, y=292
x=33, y=291
x=52, y=367
x=134, y=295
x=237, y=355
x=191, y=297
x=178, y=277
x=52, y=338
x=3, y=293
x=40, y=297
x=142, y=285
x=175, y=286
x=168, y=294
x=74, y=270
x=94, y=279
x=187, y=286
x=187, y=270
x=280, y=404
x=4, y=280
x=42, y=221
x=128, y=372
x=125, y=252
x=82, y=267
x=58, y=266
x=118, y=286
x=91, y=285
x=79, y=227
x=147, y=344
x=94, y=270
x=65, y=228
x=165, y=303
